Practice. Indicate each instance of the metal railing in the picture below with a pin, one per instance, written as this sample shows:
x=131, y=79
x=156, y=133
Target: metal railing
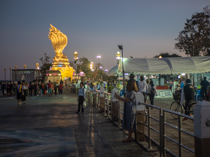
x=156, y=134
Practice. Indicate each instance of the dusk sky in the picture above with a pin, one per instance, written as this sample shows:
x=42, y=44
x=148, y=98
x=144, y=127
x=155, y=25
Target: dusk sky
x=145, y=28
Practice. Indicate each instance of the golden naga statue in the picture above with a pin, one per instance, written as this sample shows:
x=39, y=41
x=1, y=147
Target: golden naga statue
x=60, y=61
x=58, y=39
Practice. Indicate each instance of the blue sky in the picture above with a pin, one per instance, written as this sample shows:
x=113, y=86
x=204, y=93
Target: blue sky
x=93, y=27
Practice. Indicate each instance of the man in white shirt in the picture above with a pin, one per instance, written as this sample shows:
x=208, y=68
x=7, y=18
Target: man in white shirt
x=143, y=87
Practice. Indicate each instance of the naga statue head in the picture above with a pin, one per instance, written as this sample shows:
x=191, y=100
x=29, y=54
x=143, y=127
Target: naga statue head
x=58, y=39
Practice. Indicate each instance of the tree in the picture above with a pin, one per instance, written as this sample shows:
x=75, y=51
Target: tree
x=194, y=39
x=166, y=54
x=45, y=64
x=84, y=65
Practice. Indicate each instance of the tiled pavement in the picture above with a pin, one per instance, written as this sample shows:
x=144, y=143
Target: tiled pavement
x=49, y=126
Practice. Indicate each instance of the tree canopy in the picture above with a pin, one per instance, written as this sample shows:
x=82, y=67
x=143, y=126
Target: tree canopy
x=166, y=54
x=45, y=64
x=194, y=39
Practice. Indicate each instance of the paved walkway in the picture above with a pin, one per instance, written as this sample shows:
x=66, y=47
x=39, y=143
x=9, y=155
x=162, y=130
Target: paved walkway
x=49, y=126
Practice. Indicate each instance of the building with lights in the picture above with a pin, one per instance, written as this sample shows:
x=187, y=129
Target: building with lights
x=28, y=75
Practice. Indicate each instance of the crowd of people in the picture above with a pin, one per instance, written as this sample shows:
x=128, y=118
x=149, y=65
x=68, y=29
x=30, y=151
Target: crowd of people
x=22, y=89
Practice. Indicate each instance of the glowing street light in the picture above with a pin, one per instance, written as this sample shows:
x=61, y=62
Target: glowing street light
x=118, y=56
x=106, y=70
x=98, y=57
x=91, y=66
x=76, y=59
x=121, y=48
x=37, y=65
x=160, y=57
x=75, y=55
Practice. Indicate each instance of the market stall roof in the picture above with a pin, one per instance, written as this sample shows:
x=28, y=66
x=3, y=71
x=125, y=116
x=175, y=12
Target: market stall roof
x=171, y=65
x=144, y=66
x=198, y=64
x=113, y=71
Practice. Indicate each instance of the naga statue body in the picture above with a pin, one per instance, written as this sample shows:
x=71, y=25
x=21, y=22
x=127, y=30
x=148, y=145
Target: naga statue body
x=59, y=41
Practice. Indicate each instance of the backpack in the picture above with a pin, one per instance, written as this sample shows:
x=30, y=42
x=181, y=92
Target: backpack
x=153, y=91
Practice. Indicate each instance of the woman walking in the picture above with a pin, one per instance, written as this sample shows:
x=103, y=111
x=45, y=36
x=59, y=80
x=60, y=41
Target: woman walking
x=81, y=97
x=129, y=115
x=152, y=92
x=19, y=93
x=24, y=92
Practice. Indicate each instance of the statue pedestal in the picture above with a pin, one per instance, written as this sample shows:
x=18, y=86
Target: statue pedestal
x=53, y=76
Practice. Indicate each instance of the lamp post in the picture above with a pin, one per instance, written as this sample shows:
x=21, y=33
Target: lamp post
x=5, y=74
x=118, y=56
x=10, y=68
x=75, y=60
x=15, y=67
x=98, y=57
x=121, y=48
x=91, y=66
x=37, y=66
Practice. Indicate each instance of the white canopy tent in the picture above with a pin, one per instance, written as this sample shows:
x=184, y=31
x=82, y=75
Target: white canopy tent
x=171, y=65
x=113, y=71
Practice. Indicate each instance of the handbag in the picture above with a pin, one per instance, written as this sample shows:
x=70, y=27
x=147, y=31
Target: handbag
x=84, y=104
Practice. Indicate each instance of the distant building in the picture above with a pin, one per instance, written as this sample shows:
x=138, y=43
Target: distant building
x=26, y=74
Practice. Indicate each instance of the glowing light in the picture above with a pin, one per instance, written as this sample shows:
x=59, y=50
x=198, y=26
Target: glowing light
x=118, y=55
x=91, y=65
x=160, y=56
x=100, y=67
x=98, y=57
x=183, y=74
x=75, y=55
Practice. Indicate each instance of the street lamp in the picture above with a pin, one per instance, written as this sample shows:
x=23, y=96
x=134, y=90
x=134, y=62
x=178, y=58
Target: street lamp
x=37, y=65
x=5, y=73
x=15, y=67
x=10, y=68
x=75, y=60
x=91, y=66
x=24, y=66
x=118, y=56
x=98, y=57
x=121, y=48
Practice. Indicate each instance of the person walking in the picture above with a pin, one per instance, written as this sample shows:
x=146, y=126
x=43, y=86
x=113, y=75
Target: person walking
x=60, y=88
x=19, y=92
x=128, y=115
x=143, y=87
x=24, y=92
x=50, y=88
x=204, y=87
x=189, y=96
x=152, y=92
x=81, y=97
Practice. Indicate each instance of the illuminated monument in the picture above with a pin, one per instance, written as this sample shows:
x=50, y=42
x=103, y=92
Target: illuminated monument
x=60, y=65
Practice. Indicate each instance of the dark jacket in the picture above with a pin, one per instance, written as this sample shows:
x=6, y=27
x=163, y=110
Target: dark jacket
x=189, y=92
x=204, y=84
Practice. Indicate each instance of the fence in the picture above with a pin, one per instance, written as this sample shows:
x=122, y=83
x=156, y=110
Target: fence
x=159, y=130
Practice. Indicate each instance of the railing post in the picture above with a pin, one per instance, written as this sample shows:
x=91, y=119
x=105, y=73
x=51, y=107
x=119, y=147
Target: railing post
x=161, y=131
x=149, y=131
x=180, y=134
x=202, y=129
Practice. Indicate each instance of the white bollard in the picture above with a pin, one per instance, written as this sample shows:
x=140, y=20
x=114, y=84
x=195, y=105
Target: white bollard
x=202, y=129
